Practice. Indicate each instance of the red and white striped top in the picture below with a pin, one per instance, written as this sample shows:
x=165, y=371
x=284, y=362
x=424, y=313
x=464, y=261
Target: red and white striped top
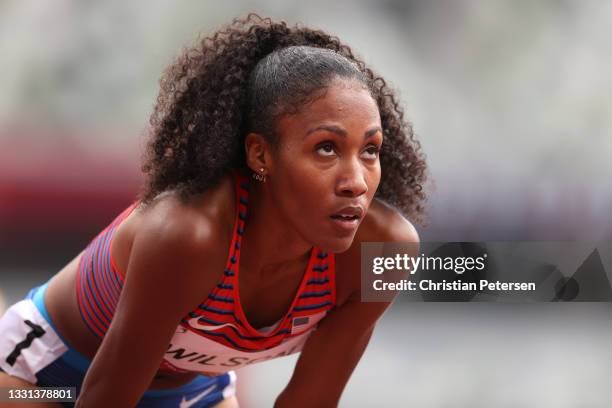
x=215, y=337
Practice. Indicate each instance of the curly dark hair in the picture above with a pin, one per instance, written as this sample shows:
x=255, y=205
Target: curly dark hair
x=218, y=91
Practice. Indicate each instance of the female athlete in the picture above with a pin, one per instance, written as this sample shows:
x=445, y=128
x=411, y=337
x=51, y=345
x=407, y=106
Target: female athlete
x=274, y=154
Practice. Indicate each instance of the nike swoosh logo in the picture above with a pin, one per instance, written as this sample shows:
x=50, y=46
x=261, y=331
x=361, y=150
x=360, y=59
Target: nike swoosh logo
x=187, y=403
x=195, y=323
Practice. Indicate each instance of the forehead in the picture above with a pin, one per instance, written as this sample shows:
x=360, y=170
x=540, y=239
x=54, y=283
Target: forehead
x=345, y=101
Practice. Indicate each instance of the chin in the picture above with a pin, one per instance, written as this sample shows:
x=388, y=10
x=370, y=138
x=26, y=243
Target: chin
x=336, y=244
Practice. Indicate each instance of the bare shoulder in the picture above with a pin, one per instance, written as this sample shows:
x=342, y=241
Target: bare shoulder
x=193, y=221
x=382, y=223
x=191, y=236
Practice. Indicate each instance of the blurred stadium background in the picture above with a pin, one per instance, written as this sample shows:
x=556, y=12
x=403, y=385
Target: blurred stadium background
x=510, y=100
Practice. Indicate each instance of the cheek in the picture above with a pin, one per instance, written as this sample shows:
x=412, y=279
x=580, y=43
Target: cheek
x=296, y=184
x=308, y=196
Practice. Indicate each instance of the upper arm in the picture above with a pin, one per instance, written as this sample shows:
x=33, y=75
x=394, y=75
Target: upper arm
x=165, y=259
x=334, y=349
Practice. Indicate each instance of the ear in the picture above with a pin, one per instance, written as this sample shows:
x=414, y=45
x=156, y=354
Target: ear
x=257, y=152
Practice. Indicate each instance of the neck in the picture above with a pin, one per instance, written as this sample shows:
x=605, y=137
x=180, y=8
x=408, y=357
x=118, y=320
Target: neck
x=269, y=242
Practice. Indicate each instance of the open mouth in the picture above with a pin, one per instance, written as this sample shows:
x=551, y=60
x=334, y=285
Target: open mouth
x=345, y=217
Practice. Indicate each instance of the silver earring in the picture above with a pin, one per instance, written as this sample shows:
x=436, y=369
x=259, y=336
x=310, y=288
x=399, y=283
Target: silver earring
x=261, y=177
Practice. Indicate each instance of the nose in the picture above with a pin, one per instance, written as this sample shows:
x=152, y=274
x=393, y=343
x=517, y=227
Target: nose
x=352, y=181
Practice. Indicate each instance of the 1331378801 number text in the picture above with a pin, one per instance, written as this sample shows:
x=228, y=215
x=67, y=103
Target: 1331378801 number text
x=43, y=394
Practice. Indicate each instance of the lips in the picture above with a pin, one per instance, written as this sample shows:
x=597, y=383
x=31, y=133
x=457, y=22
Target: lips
x=351, y=212
x=347, y=219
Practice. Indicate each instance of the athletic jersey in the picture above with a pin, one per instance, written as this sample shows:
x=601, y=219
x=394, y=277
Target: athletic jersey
x=215, y=337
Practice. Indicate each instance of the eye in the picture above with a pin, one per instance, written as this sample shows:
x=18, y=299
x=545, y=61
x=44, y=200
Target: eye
x=326, y=149
x=371, y=152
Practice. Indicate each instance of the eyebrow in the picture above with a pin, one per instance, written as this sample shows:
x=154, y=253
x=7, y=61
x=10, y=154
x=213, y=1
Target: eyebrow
x=341, y=132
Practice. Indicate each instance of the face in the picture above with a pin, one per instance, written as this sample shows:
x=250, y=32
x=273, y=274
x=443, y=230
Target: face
x=325, y=172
